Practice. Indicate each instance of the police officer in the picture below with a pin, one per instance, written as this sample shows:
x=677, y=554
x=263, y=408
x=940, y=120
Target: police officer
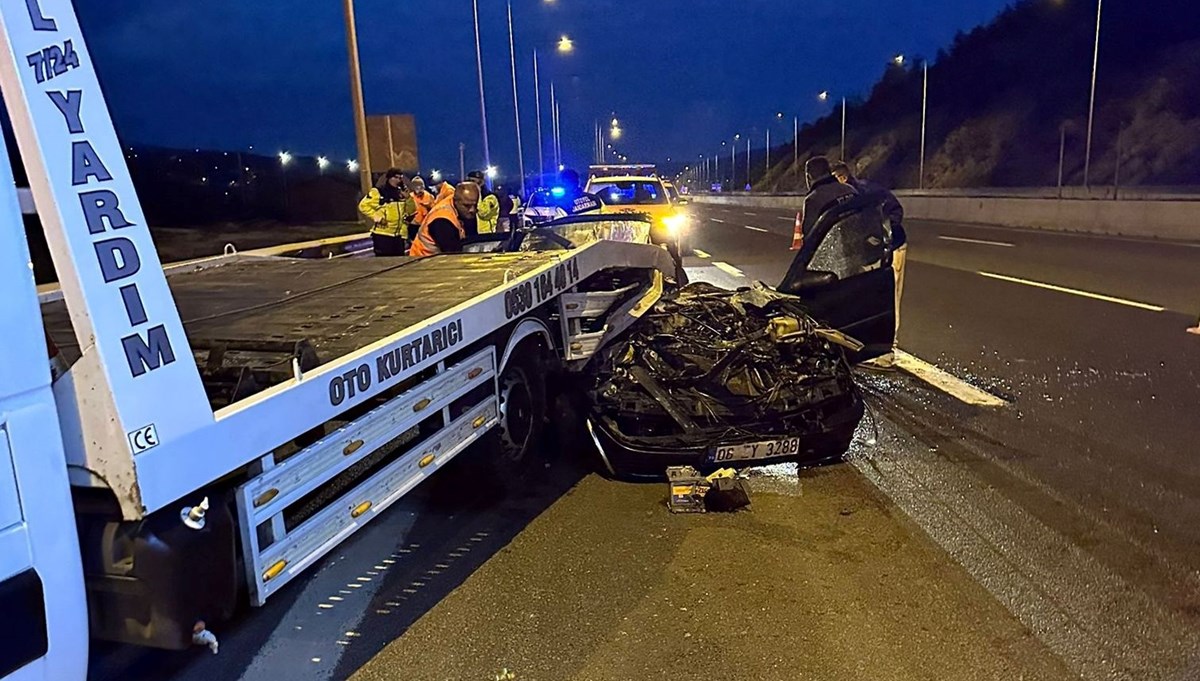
x=382, y=206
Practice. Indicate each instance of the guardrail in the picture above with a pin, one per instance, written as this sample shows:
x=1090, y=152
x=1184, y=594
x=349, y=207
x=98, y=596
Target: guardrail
x=1164, y=213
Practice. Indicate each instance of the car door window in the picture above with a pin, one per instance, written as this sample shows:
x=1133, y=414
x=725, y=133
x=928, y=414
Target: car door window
x=853, y=246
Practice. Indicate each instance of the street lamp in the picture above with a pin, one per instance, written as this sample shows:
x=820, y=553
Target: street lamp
x=322, y=163
x=566, y=45
x=491, y=172
x=898, y=60
x=435, y=176
x=615, y=133
x=352, y=166
x=284, y=158
x=1087, y=158
x=823, y=95
x=487, y=153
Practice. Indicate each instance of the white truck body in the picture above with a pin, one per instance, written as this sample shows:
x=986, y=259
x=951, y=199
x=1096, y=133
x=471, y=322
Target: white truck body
x=162, y=473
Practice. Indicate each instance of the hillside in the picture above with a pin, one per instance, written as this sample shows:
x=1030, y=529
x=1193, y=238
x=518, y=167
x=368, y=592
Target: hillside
x=999, y=94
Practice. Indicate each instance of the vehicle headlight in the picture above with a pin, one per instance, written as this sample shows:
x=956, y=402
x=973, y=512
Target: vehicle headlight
x=675, y=224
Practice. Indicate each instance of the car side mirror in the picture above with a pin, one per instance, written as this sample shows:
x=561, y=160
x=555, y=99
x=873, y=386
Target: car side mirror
x=813, y=280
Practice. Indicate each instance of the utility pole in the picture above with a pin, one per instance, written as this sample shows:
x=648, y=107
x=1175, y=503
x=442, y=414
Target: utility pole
x=537, y=102
x=843, y=128
x=795, y=144
x=747, y=160
x=462, y=162
x=356, y=100
x=1087, y=156
x=487, y=152
x=924, y=110
x=512, y=54
x=1062, y=155
x=768, y=150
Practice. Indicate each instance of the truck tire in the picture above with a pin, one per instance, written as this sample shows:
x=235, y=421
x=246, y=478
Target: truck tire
x=522, y=412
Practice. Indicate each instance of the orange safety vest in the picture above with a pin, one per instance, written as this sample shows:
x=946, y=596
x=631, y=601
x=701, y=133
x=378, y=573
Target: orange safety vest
x=424, y=203
x=423, y=244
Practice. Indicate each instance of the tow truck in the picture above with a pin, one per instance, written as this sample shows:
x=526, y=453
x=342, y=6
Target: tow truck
x=212, y=429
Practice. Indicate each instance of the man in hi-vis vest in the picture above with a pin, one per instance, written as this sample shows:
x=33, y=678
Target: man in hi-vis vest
x=442, y=230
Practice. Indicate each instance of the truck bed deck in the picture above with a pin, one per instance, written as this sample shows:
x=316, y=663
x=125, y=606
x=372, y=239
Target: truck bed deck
x=253, y=311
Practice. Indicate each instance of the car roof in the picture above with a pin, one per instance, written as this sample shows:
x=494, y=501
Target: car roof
x=626, y=178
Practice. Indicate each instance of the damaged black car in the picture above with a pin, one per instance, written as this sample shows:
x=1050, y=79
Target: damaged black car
x=714, y=378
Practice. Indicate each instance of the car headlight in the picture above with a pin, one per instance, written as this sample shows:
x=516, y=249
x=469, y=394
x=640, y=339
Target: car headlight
x=675, y=224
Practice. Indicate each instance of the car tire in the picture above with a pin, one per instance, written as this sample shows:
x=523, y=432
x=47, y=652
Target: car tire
x=522, y=394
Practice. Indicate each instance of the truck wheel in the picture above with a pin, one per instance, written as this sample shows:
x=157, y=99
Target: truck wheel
x=522, y=411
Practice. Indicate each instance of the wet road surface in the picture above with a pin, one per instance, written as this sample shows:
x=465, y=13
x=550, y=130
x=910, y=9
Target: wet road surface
x=1055, y=537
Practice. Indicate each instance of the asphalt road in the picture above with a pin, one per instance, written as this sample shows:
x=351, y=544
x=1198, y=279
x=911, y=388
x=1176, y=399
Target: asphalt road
x=1055, y=537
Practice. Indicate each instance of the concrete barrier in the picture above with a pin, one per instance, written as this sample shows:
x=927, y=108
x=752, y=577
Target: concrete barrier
x=1176, y=219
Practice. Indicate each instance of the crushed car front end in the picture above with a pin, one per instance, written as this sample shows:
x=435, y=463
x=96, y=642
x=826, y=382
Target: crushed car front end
x=713, y=378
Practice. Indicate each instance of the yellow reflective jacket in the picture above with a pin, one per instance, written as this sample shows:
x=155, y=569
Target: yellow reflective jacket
x=489, y=214
x=386, y=218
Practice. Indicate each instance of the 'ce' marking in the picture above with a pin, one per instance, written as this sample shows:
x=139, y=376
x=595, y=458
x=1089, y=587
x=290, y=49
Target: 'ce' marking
x=143, y=438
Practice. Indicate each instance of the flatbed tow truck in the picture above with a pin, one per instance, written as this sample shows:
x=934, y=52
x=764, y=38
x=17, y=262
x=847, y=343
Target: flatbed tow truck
x=216, y=427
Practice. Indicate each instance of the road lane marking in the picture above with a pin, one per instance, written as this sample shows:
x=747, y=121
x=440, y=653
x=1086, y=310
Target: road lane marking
x=983, y=242
x=717, y=220
x=757, y=229
x=751, y=214
x=788, y=218
x=1075, y=292
x=945, y=381
x=700, y=254
x=728, y=269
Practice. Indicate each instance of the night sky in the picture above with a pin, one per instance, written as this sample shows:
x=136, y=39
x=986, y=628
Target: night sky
x=680, y=74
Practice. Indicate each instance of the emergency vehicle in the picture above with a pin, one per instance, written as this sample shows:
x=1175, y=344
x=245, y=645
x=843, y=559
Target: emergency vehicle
x=214, y=428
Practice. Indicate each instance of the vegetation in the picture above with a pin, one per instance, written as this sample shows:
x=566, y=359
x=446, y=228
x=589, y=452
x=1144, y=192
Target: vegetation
x=1000, y=95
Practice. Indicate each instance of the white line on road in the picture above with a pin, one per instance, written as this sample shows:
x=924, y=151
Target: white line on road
x=983, y=242
x=757, y=229
x=946, y=382
x=1075, y=292
x=717, y=220
x=751, y=214
x=728, y=269
x=700, y=254
x=788, y=218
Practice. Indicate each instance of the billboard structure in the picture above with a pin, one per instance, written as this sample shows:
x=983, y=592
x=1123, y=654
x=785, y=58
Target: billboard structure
x=392, y=143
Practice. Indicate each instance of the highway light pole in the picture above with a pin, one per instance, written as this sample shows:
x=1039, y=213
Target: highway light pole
x=487, y=152
x=537, y=103
x=924, y=110
x=747, y=161
x=1087, y=156
x=1062, y=155
x=733, y=162
x=843, y=128
x=795, y=144
x=512, y=53
x=356, y=98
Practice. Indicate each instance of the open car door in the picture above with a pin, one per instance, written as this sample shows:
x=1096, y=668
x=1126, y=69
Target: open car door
x=843, y=273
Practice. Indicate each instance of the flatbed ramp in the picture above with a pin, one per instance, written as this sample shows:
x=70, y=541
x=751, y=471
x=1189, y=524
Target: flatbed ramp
x=252, y=311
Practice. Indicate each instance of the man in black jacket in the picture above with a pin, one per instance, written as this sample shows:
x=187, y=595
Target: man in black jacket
x=894, y=212
x=824, y=192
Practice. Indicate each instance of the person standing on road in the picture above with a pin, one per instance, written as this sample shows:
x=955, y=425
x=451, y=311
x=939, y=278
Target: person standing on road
x=894, y=212
x=443, y=230
x=416, y=206
x=382, y=206
x=824, y=192
x=489, y=205
x=504, y=220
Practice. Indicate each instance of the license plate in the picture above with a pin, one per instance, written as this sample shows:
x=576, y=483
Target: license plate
x=751, y=451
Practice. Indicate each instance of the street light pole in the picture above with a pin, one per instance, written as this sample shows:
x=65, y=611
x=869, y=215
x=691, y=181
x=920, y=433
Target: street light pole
x=747, y=160
x=537, y=103
x=512, y=53
x=843, y=128
x=462, y=161
x=487, y=153
x=1087, y=157
x=924, y=110
x=1062, y=155
x=768, y=150
x=795, y=144
x=356, y=98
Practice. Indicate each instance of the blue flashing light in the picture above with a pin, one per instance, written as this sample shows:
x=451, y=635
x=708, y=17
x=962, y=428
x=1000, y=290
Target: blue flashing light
x=558, y=192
